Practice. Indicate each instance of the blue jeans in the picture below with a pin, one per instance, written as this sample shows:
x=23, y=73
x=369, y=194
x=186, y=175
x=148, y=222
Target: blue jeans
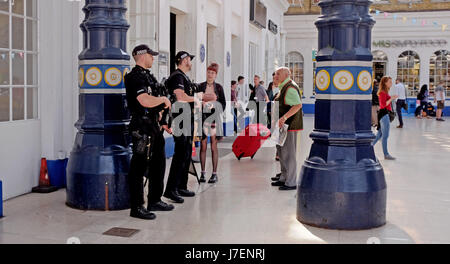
x=383, y=134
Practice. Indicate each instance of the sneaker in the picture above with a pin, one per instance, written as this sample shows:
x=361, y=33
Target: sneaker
x=400, y=127
x=440, y=120
x=389, y=157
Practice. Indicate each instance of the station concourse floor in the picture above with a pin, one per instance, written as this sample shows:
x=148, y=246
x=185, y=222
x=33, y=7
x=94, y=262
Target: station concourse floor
x=243, y=208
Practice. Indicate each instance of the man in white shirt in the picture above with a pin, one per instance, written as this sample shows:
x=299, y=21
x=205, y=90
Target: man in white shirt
x=241, y=90
x=439, y=98
x=400, y=90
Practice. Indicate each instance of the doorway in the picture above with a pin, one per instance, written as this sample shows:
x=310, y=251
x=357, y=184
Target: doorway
x=379, y=70
x=380, y=60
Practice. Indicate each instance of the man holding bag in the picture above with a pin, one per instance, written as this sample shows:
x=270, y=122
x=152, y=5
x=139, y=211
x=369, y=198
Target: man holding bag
x=400, y=91
x=291, y=114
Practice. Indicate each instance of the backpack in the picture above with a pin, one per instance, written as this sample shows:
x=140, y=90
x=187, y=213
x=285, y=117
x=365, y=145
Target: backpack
x=431, y=110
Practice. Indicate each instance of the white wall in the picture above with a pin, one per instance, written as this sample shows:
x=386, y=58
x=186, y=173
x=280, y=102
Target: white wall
x=58, y=69
x=20, y=156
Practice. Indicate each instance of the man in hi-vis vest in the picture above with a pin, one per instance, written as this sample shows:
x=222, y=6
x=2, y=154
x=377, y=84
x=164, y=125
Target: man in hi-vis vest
x=291, y=114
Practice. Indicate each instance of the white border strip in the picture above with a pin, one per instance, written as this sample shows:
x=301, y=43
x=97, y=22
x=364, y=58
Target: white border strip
x=102, y=91
x=104, y=62
x=344, y=64
x=359, y=97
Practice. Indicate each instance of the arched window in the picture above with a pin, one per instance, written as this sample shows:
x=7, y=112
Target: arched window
x=440, y=69
x=380, y=60
x=295, y=62
x=409, y=71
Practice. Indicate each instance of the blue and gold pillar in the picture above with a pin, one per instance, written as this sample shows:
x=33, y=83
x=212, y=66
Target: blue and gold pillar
x=342, y=183
x=99, y=163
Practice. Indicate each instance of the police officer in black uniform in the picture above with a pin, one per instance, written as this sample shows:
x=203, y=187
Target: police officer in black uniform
x=182, y=90
x=148, y=105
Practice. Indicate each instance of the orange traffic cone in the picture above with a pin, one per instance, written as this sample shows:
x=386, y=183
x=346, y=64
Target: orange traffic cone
x=44, y=180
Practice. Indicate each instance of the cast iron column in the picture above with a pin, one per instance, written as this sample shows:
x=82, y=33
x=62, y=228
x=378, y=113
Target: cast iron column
x=99, y=163
x=342, y=183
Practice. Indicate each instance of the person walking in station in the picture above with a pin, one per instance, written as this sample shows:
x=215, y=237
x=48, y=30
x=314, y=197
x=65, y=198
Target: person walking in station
x=400, y=91
x=384, y=121
x=375, y=104
x=439, y=98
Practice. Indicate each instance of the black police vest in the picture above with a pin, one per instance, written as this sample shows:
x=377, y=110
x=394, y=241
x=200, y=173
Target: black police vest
x=189, y=88
x=144, y=119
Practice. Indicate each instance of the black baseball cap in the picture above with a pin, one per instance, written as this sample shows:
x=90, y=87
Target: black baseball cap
x=144, y=49
x=181, y=55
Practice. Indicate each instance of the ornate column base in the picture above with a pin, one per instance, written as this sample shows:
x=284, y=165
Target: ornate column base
x=342, y=196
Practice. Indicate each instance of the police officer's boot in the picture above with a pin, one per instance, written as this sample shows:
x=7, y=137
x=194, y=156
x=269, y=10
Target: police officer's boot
x=160, y=206
x=174, y=196
x=142, y=213
x=185, y=193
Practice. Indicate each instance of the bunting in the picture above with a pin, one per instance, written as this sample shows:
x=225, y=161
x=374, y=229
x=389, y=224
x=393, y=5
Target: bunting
x=414, y=21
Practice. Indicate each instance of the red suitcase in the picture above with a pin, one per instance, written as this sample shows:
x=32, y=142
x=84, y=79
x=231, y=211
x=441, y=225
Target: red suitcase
x=250, y=141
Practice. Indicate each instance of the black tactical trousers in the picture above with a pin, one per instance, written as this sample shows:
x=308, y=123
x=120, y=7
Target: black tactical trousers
x=157, y=170
x=179, y=170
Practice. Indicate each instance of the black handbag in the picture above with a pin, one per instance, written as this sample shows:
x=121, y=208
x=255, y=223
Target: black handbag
x=392, y=116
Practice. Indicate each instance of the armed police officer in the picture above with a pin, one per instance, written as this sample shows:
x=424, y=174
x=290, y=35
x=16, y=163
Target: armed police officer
x=182, y=90
x=148, y=105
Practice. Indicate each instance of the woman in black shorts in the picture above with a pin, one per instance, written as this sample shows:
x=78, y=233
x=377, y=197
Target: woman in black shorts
x=213, y=103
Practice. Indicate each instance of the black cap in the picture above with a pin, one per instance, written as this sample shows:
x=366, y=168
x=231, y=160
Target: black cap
x=144, y=49
x=181, y=55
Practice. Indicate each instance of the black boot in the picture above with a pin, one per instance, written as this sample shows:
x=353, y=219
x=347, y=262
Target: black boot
x=185, y=193
x=213, y=179
x=276, y=178
x=174, y=196
x=160, y=206
x=142, y=213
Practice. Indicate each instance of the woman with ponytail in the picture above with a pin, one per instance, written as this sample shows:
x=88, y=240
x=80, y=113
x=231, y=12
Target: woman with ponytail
x=384, y=121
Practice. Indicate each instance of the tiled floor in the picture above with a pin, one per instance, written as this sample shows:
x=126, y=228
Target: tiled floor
x=244, y=208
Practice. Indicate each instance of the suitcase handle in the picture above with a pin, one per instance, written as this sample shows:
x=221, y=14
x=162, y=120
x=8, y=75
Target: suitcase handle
x=263, y=133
